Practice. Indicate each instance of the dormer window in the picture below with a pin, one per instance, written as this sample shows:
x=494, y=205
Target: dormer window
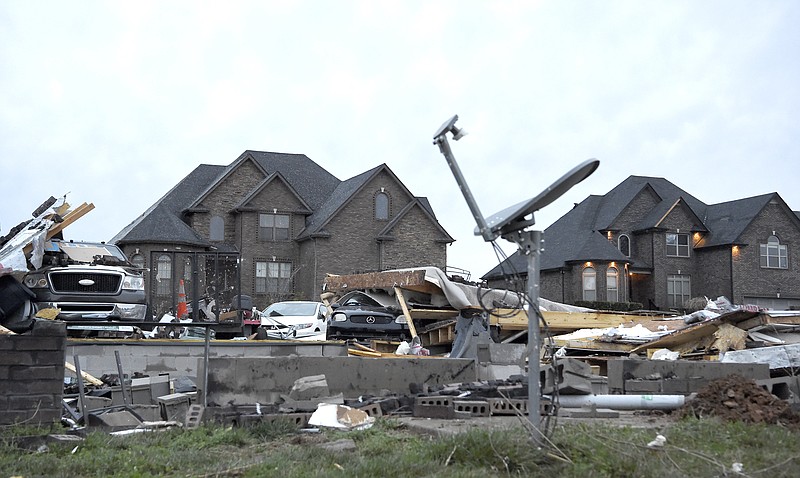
x=216, y=229
x=677, y=245
x=273, y=227
x=624, y=243
x=382, y=206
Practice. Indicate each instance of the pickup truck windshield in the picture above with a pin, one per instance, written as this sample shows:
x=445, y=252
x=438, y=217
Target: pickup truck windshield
x=86, y=252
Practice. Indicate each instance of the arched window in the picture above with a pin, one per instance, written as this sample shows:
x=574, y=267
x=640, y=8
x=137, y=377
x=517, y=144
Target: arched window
x=774, y=255
x=164, y=275
x=625, y=245
x=216, y=229
x=382, y=206
x=589, y=284
x=137, y=260
x=612, y=284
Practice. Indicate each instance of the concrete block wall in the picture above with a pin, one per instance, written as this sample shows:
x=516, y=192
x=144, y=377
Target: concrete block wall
x=32, y=374
x=245, y=380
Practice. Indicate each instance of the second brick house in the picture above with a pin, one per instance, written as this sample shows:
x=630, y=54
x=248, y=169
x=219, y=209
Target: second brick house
x=648, y=241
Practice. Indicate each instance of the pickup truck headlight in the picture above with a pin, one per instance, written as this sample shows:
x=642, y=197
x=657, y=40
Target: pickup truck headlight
x=33, y=281
x=133, y=283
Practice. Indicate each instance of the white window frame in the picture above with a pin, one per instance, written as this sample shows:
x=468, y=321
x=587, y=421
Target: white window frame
x=382, y=206
x=273, y=277
x=679, y=290
x=164, y=275
x=273, y=227
x=677, y=244
x=589, y=284
x=612, y=277
x=773, y=254
x=627, y=242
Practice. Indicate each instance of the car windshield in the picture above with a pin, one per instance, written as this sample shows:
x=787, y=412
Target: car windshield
x=291, y=308
x=358, y=298
x=88, y=253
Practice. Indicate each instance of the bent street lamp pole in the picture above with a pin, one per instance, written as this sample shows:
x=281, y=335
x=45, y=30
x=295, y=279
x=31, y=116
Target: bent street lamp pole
x=511, y=224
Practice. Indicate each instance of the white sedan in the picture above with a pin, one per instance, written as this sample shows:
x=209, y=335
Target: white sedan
x=295, y=319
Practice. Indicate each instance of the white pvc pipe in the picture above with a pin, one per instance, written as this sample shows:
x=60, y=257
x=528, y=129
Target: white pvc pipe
x=622, y=402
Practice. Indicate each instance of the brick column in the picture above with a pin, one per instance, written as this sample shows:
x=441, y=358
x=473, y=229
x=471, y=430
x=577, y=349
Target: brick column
x=32, y=374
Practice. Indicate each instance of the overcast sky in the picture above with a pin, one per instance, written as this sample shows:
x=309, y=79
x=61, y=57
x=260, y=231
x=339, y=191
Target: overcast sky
x=115, y=102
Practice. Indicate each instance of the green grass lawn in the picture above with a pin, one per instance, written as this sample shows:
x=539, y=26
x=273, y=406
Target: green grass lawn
x=694, y=448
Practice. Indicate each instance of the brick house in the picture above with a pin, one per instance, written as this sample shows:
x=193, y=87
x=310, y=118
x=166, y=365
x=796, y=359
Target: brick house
x=649, y=241
x=272, y=225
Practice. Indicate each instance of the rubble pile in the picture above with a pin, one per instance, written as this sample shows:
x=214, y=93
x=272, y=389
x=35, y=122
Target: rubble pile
x=735, y=398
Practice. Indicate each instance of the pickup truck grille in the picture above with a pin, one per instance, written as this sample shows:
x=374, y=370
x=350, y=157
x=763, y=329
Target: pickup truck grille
x=69, y=282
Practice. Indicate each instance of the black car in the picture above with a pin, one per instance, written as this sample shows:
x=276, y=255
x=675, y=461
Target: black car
x=358, y=316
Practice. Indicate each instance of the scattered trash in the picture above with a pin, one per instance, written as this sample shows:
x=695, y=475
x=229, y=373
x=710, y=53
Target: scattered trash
x=341, y=417
x=658, y=442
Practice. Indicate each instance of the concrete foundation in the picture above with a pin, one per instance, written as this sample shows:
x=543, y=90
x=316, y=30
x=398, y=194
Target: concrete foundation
x=180, y=357
x=243, y=380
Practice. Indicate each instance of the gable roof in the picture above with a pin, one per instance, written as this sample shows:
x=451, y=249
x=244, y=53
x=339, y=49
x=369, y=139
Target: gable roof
x=162, y=221
x=728, y=220
x=344, y=192
x=242, y=205
x=425, y=208
x=575, y=236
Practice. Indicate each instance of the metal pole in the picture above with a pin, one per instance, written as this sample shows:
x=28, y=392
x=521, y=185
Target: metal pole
x=444, y=147
x=530, y=245
x=205, y=366
x=81, y=391
x=122, y=388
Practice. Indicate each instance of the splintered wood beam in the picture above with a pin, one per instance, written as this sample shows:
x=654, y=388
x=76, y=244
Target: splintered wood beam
x=402, y=300
x=89, y=378
x=70, y=218
x=375, y=280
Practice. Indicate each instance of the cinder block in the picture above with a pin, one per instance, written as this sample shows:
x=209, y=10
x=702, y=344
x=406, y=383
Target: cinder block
x=440, y=400
x=568, y=376
x=44, y=328
x=174, y=406
x=434, y=411
x=299, y=419
x=194, y=417
x=642, y=386
x=473, y=407
x=372, y=410
x=502, y=406
x=47, y=372
x=785, y=388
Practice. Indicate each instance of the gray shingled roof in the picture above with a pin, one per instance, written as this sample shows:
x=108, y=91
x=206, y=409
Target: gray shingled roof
x=310, y=180
x=161, y=222
x=575, y=236
x=726, y=221
x=321, y=191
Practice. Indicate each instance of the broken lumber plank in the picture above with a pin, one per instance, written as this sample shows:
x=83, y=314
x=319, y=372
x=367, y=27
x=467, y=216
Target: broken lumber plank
x=363, y=353
x=594, y=345
x=374, y=280
x=70, y=218
x=509, y=319
x=410, y=321
x=433, y=314
x=766, y=319
x=364, y=348
x=86, y=376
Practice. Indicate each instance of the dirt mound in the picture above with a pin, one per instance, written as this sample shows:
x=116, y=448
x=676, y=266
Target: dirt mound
x=735, y=398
